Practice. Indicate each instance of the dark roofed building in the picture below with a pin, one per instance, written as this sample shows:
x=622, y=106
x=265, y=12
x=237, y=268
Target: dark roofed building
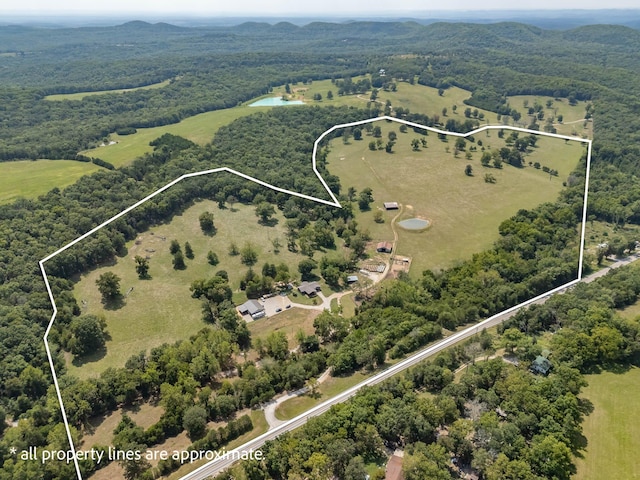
x=384, y=247
x=310, y=289
x=253, y=308
x=541, y=365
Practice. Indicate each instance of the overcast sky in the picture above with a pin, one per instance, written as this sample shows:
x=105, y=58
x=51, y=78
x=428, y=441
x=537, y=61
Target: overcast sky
x=293, y=7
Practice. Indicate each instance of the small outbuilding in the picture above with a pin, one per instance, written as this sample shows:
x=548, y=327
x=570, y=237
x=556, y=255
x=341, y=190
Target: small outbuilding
x=253, y=308
x=352, y=279
x=384, y=247
x=541, y=365
x=309, y=289
x=391, y=205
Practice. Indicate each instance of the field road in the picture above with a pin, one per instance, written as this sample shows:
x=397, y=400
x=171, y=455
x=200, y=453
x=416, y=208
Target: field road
x=216, y=466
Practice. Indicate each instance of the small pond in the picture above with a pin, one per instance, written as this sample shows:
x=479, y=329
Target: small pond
x=414, y=224
x=275, y=102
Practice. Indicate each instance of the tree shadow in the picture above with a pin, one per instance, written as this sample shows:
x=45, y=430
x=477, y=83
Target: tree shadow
x=271, y=222
x=89, y=358
x=114, y=303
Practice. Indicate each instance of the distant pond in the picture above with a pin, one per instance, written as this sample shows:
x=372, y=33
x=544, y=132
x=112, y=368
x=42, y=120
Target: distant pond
x=275, y=102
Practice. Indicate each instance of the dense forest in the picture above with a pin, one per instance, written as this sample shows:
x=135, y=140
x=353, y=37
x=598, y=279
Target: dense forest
x=499, y=418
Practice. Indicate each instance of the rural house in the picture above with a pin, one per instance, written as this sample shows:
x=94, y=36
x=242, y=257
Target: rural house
x=253, y=308
x=384, y=247
x=309, y=289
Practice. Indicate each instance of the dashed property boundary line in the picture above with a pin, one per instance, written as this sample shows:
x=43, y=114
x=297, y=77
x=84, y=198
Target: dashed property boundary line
x=334, y=203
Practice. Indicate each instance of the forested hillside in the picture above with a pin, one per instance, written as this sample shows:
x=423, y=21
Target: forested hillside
x=515, y=421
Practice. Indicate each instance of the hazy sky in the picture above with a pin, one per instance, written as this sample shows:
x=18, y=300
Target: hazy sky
x=293, y=7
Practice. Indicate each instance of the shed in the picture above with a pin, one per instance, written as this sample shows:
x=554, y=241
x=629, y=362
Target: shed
x=541, y=365
x=309, y=288
x=384, y=247
x=391, y=205
x=352, y=279
x=253, y=308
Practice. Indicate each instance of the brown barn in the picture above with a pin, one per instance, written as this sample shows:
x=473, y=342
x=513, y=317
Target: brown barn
x=384, y=247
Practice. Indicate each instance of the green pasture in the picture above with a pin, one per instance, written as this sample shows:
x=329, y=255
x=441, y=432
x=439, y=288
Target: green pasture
x=80, y=95
x=573, y=115
x=464, y=211
x=161, y=309
x=328, y=389
x=612, y=430
x=30, y=178
x=199, y=129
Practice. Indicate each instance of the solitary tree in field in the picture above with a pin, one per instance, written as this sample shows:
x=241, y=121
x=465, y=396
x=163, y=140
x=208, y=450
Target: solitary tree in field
x=248, y=255
x=233, y=249
x=142, y=267
x=108, y=285
x=178, y=261
x=365, y=199
x=468, y=171
x=212, y=258
x=329, y=95
x=88, y=334
x=206, y=223
x=188, y=251
x=174, y=247
x=415, y=145
x=265, y=211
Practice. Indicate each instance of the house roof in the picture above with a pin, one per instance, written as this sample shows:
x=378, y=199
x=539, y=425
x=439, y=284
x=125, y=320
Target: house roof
x=251, y=307
x=541, y=364
x=309, y=287
x=384, y=246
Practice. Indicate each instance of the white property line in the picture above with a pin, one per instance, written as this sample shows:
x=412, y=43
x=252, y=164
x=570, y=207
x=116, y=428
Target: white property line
x=334, y=203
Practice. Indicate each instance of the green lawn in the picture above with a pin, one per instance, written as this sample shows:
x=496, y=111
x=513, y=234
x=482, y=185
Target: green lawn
x=612, y=430
x=464, y=211
x=30, y=179
x=199, y=129
x=348, y=306
x=161, y=309
x=328, y=389
x=81, y=95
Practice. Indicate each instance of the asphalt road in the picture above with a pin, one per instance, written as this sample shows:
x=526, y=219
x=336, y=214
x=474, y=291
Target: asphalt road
x=216, y=466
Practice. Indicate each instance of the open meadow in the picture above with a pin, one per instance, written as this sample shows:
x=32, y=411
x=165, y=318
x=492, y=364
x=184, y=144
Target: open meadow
x=161, y=309
x=612, y=430
x=464, y=211
x=80, y=95
x=31, y=178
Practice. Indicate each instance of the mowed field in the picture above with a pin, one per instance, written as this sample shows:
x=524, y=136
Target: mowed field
x=80, y=95
x=29, y=179
x=464, y=211
x=161, y=309
x=612, y=430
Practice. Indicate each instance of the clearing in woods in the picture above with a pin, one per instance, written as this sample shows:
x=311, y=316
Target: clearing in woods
x=430, y=182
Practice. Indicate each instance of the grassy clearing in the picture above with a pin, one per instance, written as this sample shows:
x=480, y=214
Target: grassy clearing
x=573, y=115
x=612, y=430
x=199, y=129
x=100, y=431
x=289, y=321
x=161, y=309
x=348, y=306
x=29, y=179
x=80, y=95
x=464, y=211
x=330, y=388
